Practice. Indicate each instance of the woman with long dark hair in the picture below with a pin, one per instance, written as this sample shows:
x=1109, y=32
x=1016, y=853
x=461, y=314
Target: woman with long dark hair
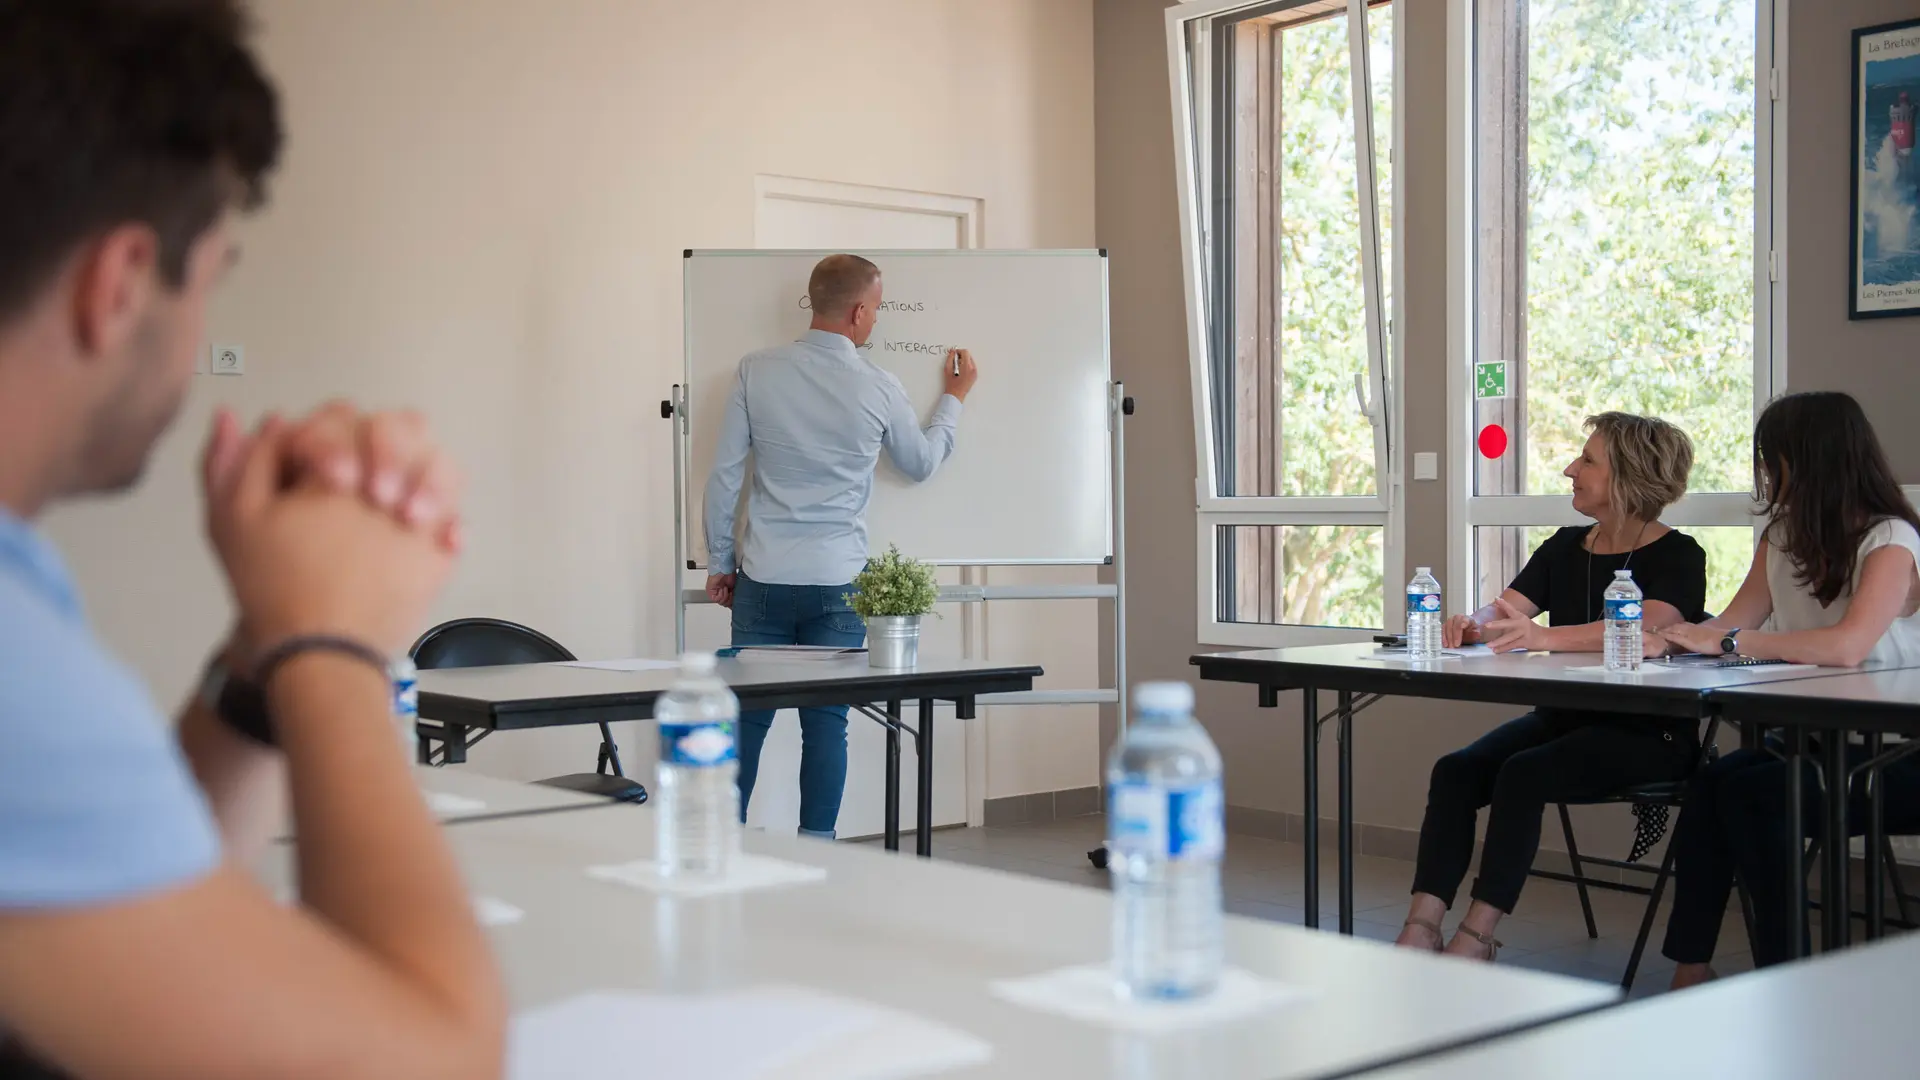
x=1833, y=582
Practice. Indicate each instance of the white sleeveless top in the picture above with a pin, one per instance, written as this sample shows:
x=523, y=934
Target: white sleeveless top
x=1794, y=606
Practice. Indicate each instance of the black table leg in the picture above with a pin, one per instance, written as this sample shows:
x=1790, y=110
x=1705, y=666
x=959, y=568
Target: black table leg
x=1310, y=799
x=454, y=750
x=1836, y=908
x=891, y=835
x=1346, y=811
x=1796, y=847
x=923, y=812
x=1876, y=880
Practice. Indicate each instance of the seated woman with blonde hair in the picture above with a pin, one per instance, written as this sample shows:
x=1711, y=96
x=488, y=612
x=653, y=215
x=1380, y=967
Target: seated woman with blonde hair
x=1631, y=469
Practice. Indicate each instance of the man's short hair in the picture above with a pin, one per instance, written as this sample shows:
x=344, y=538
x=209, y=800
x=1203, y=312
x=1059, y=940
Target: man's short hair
x=838, y=282
x=119, y=111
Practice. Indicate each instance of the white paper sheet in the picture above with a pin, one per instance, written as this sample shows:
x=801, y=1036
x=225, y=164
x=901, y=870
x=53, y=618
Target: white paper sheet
x=444, y=805
x=1463, y=652
x=770, y=1033
x=626, y=665
x=745, y=873
x=784, y=653
x=1645, y=669
x=1087, y=993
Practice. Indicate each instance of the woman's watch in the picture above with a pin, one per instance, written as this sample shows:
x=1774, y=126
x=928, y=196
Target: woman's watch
x=1730, y=642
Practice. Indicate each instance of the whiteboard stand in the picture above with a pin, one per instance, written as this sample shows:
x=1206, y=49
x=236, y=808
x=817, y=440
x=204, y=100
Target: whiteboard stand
x=1120, y=406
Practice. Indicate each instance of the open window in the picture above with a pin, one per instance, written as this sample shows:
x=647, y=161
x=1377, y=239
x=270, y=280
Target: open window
x=1618, y=188
x=1283, y=119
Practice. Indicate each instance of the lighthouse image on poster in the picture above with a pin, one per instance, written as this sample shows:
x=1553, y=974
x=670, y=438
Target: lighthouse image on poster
x=1886, y=195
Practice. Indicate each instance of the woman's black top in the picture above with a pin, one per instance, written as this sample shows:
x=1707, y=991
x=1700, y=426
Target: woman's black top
x=1568, y=582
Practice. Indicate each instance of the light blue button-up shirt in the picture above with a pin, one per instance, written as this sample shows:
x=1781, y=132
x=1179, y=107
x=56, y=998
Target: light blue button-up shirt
x=815, y=415
x=97, y=803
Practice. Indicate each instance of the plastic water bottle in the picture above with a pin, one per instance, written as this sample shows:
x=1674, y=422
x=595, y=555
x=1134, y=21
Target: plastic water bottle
x=1167, y=830
x=1623, y=622
x=1423, y=616
x=696, y=805
x=406, y=703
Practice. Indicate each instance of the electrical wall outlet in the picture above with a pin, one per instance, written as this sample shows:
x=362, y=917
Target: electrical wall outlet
x=228, y=360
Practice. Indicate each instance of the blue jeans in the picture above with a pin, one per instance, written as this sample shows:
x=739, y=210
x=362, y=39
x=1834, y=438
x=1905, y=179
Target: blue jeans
x=766, y=614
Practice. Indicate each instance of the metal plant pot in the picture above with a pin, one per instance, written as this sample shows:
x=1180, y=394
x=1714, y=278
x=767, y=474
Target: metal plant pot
x=893, y=641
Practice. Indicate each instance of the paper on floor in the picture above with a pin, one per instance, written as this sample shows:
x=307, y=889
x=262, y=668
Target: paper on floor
x=768, y=1033
x=1087, y=993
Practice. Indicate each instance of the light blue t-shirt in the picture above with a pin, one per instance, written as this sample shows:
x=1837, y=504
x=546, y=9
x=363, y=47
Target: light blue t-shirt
x=97, y=803
x=816, y=415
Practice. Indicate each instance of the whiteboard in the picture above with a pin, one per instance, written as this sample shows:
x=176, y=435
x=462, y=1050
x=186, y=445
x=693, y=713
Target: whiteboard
x=1030, y=477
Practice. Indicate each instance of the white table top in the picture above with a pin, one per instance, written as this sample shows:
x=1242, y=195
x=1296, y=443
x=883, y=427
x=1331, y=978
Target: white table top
x=537, y=695
x=929, y=937
x=1847, y=1014
x=1561, y=680
x=1884, y=700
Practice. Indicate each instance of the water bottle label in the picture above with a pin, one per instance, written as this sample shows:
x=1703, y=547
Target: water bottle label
x=1423, y=603
x=1623, y=611
x=406, y=698
x=1177, y=823
x=698, y=745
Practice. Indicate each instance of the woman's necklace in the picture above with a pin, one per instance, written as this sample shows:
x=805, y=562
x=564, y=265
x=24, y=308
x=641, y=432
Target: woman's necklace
x=1594, y=540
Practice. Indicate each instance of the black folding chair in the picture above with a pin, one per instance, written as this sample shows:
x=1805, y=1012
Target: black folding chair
x=1669, y=794
x=493, y=642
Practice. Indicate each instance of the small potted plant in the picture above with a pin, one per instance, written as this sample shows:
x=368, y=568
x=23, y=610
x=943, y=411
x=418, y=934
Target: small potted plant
x=891, y=594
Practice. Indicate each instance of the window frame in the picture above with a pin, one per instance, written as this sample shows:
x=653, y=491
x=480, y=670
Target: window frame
x=1467, y=511
x=1193, y=68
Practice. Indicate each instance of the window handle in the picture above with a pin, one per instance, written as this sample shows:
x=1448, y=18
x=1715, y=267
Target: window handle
x=1367, y=409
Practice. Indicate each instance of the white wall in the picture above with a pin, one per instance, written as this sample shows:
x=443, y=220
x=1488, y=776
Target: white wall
x=482, y=214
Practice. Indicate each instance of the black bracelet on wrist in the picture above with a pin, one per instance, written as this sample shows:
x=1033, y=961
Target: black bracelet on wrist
x=276, y=657
x=237, y=703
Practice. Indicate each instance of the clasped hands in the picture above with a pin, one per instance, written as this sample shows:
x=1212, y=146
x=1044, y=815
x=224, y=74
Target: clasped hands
x=342, y=523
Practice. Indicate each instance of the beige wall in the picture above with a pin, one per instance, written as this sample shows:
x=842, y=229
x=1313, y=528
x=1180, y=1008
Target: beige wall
x=1873, y=359
x=482, y=214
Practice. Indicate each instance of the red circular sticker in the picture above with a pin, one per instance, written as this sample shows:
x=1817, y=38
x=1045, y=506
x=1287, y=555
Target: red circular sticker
x=1493, y=441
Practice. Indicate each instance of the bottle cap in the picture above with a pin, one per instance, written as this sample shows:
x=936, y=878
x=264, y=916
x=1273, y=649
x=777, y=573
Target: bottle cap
x=1163, y=698
x=1628, y=574
x=1422, y=570
x=698, y=663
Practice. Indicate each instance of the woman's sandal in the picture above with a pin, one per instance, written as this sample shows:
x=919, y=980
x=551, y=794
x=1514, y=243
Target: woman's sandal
x=1493, y=947
x=1439, y=936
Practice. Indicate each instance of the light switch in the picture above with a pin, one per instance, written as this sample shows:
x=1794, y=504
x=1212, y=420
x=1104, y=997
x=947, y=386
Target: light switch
x=1426, y=466
x=228, y=360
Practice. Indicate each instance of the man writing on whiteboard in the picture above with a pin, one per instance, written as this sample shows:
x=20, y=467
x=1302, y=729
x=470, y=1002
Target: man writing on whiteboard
x=815, y=414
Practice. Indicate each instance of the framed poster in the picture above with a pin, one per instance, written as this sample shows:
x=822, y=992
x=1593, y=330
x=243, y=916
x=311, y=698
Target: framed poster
x=1886, y=178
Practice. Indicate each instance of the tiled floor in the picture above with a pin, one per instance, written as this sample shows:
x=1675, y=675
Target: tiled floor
x=1262, y=880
